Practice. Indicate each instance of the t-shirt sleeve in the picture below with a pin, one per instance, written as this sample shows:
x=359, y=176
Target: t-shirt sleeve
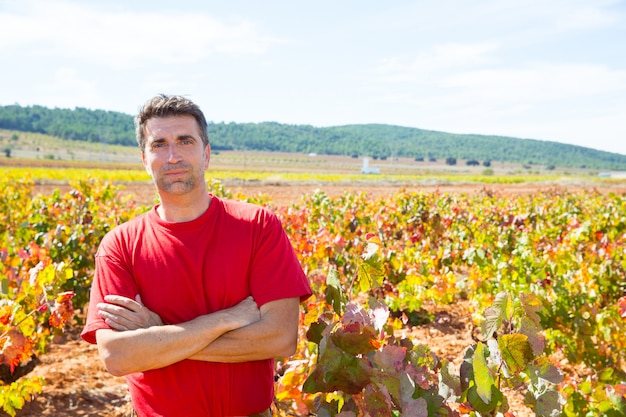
x=276, y=271
x=112, y=276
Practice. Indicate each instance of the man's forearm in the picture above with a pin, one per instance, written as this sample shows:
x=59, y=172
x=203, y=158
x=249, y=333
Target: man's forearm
x=275, y=335
x=142, y=349
x=125, y=352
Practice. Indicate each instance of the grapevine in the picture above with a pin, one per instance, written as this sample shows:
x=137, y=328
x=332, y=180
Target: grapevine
x=545, y=276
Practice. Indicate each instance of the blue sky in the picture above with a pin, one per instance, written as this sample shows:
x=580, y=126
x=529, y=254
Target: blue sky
x=542, y=69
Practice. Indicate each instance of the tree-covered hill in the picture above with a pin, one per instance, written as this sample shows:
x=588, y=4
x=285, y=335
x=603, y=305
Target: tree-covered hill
x=374, y=140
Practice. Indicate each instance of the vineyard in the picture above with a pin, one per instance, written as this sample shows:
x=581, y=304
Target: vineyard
x=542, y=275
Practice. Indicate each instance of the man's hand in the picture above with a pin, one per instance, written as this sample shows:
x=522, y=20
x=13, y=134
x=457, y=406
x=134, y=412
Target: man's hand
x=135, y=330
x=122, y=313
x=244, y=313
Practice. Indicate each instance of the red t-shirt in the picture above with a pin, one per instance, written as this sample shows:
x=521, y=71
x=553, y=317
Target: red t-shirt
x=184, y=270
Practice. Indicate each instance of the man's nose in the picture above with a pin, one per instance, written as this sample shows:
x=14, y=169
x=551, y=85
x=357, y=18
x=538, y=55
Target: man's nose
x=174, y=155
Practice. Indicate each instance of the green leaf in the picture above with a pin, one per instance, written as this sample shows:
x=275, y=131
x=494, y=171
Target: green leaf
x=497, y=399
x=315, y=332
x=516, y=352
x=548, y=404
x=466, y=371
x=338, y=371
x=482, y=374
x=449, y=385
x=371, y=274
x=334, y=292
x=391, y=384
x=371, y=271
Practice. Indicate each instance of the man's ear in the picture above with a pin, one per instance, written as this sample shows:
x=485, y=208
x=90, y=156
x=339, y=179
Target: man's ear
x=145, y=163
x=207, y=151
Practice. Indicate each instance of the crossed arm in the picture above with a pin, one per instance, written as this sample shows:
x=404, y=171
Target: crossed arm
x=139, y=341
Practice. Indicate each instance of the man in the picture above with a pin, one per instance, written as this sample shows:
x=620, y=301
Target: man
x=193, y=300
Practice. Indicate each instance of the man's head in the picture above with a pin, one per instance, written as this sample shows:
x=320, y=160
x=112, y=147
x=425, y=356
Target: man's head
x=165, y=106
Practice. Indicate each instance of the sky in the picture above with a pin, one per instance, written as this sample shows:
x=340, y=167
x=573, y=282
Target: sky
x=551, y=70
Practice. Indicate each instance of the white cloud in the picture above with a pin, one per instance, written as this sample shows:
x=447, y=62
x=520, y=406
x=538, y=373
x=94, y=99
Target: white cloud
x=432, y=62
x=64, y=80
x=539, y=82
x=457, y=75
x=125, y=39
x=584, y=17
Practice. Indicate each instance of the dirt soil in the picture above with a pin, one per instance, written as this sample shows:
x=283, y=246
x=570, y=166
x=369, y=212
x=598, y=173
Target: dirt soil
x=76, y=383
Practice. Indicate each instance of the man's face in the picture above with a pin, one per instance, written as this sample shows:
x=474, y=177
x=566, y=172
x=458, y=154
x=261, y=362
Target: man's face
x=174, y=155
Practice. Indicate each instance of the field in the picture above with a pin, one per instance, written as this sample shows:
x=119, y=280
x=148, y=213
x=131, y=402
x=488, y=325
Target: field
x=75, y=381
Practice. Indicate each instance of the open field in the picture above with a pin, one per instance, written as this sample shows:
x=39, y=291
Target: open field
x=287, y=177
x=76, y=382
x=78, y=385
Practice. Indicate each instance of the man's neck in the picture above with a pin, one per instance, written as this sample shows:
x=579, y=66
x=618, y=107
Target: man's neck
x=185, y=208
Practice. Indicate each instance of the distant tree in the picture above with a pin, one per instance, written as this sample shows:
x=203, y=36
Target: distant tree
x=431, y=159
x=472, y=162
x=550, y=167
x=355, y=155
x=419, y=159
x=450, y=161
x=487, y=163
x=7, y=152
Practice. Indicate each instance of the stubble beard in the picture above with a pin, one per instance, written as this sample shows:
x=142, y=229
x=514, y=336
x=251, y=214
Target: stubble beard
x=177, y=186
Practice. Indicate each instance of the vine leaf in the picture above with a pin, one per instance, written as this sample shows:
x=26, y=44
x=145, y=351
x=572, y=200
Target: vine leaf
x=16, y=348
x=543, y=369
x=338, y=371
x=516, y=352
x=390, y=361
x=371, y=272
x=378, y=400
x=356, y=339
x=482, y=374
x=449, y=384
x=531, y=305
x=533, y=332
x=494, y=315
x=548, y=404
x=334, y=292
x=413, y=407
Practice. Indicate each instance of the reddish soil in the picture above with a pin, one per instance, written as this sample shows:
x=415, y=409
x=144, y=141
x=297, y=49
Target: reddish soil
x=76, y=383
x=288, y=193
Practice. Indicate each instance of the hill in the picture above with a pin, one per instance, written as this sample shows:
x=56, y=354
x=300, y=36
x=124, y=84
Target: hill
x=373, y=140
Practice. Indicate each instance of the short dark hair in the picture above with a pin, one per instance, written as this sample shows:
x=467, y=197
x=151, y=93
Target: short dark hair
x=164, y=106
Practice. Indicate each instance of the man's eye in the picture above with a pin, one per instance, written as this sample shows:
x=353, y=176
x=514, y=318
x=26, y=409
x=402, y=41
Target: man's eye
x=157, y=145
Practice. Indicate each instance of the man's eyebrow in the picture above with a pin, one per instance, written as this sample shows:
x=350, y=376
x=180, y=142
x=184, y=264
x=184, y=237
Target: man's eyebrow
x=178, y=138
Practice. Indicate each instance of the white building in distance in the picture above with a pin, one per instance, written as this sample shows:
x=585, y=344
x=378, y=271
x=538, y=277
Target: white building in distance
x=366, y=169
